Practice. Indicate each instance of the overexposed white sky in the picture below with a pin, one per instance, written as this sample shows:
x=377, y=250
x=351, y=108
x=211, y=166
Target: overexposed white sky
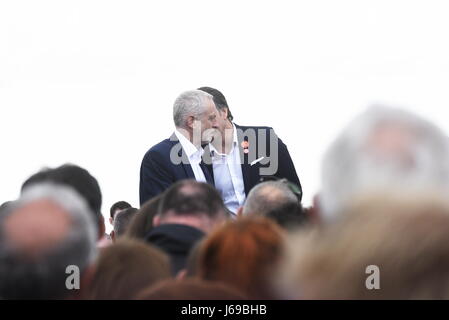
x=93, y=82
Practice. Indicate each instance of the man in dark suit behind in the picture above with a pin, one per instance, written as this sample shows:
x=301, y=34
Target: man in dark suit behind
x=180, y=157
x=239, y=156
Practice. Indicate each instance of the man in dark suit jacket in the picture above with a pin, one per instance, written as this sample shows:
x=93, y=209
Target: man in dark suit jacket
x=180, y=156
x=258, y=149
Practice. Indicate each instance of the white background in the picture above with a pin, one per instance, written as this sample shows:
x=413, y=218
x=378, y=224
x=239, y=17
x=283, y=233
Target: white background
x=93, y=82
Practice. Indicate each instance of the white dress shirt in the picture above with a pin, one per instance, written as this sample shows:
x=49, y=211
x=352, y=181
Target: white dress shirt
x=194, y=155
x=228, y=175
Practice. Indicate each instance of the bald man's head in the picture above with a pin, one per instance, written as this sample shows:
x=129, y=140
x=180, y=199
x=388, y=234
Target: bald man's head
x=37, y=227
x=48, y=229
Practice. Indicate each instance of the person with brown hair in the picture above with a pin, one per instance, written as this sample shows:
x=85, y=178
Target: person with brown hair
x=385, y=247
x=125, y=268
x=142, y=223
x=243, y=253
x=190, y=289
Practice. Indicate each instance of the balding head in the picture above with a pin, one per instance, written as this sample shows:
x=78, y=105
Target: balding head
x=267, y=196
x=48, y=229
x=37, y=227
x=275, y=200
x=193, y=203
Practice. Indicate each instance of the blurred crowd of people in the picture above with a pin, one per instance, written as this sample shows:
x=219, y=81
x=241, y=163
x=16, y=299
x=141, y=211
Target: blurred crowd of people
x=378, y=229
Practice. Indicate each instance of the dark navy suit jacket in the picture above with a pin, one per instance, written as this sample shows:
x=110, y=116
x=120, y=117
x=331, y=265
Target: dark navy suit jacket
x=158, y=172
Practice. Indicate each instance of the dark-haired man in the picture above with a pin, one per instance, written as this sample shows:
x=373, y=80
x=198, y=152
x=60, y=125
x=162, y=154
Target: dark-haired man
x=116, y=208
x=121, y=222
x=240, y=156
x=188, y=210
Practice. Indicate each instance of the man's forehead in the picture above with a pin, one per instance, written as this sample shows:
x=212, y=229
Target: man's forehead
x=36, y=226
x=390, y=137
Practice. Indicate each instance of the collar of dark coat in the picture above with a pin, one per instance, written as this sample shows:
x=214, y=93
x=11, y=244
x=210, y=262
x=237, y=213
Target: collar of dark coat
x=174, y=237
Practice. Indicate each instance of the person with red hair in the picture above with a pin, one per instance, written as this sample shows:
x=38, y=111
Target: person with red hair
x=243, y=253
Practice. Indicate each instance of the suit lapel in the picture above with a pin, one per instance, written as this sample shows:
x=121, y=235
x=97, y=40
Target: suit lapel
x=246, y=168
x=207, y=163
x=187, y=168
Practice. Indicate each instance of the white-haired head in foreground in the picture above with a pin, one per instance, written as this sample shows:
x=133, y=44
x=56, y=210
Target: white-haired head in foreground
x=383, y=149
x=49, y=228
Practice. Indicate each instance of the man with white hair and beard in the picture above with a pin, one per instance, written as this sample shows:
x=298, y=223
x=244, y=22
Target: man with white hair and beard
x=383, y=150
x=180, y=156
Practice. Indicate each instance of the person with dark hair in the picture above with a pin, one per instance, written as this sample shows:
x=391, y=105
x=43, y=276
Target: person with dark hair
x=117, y=207
x=180, y=156
x=122, y=221
x=188, y=211
x=220, y=101
x=80, y=180
x=239, y=156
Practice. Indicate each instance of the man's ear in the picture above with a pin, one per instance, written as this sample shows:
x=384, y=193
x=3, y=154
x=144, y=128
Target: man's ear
x=191, y=122
x=111, y=221
x=112, y=235
x=224, y=113
x=156, y=220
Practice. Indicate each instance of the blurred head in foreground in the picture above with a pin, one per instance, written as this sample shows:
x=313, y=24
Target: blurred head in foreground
x=383, y=149
x=125, y=268
x=48, y=229
x=243, y=253
x=190, y=289
x=275, y=200
x=81, y=181
x=385, y=247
